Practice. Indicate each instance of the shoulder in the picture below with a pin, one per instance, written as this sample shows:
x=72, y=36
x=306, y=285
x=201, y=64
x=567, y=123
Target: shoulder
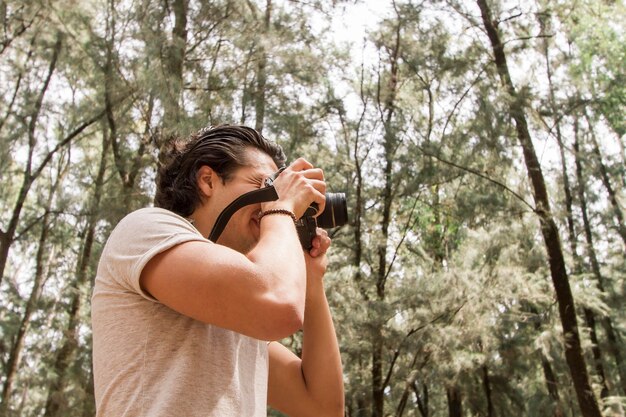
x=152, y=221
x=139, y=237
x=154, y=216
x=148, y=231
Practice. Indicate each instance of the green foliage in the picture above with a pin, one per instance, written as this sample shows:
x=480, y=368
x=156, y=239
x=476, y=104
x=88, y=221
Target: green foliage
x=441, y=273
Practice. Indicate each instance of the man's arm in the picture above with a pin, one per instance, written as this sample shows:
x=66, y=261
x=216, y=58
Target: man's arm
x=258, y=294
x=313, y=385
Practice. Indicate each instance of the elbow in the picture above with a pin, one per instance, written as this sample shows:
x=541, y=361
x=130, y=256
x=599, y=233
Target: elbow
x=288, y=319
x=286, y=314
x=282, y=318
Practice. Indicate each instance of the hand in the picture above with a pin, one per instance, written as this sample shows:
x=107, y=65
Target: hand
x=316, y=259
x=298, y=186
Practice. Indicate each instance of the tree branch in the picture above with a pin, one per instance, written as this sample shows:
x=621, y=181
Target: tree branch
x=479, y=174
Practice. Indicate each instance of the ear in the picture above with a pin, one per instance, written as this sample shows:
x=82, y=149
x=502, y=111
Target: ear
x=206, y=177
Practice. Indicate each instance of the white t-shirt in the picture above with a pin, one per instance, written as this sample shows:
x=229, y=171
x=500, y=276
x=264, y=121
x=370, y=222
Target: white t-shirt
x=152, y=361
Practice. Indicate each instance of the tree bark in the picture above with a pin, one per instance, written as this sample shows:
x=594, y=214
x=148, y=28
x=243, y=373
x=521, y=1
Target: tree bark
x=551, y=382
x=614, y=344
x=56, y=403
x=589, y=315
x=174, y=66
x=553, y=387
x=261, y=75
x=422, y=399
x=6, y=236
x=487, y=388
x=390, y=140
x=408, y=384
x=573, y=350
x=128, y=170
x=31, y=305
x=455, y=401
x=606, y=181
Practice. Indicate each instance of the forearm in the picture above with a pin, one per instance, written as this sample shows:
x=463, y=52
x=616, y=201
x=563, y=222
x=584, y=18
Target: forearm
x=279, y=256
x=321, y=361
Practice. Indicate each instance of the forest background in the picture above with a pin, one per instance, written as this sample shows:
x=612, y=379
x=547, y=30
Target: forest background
x=480, y=144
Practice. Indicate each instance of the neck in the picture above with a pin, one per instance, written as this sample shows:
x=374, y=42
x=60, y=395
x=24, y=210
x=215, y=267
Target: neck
x=203, y=221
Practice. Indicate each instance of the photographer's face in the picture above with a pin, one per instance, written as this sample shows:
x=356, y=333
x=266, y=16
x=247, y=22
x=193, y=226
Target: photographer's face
x=243, y=230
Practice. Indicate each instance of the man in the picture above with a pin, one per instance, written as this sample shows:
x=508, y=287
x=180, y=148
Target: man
x=186, y=327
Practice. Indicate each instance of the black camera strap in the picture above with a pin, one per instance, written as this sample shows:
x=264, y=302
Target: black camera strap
x=262, y=195
x=257, y=196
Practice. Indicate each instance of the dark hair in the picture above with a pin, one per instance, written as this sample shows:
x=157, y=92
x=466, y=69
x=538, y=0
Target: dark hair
x=221, y=147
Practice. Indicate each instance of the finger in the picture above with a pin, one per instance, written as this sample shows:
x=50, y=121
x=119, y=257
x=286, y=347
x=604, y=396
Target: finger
x=319, y=198
x=320, y=243
x=318, y=185
x=300, y=164
x=324, y=239
x=314, y=174
x=316, y=247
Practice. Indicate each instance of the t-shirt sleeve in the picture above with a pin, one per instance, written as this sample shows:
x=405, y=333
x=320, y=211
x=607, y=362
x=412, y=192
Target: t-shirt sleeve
x=138, y=238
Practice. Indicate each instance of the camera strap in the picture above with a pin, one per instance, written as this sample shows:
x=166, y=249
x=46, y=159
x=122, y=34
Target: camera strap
x=253, y=197
x=262, y=195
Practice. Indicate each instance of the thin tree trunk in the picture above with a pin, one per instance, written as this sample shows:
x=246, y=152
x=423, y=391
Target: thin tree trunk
x=56, y=403
x=411, y=385
x=606, y=181
x=261, y=76
x=553, y=387
x=487, y=388
x=551, y=382
x=390, y=141
x=378, y=391
x=6, y=236
x=614, y=344
x=589, y=315
x=455, y=401
x=174, y=65
x=567, y=311
x=422, y=399
x=129, y=170
x=89, y=406
x=35, y=294
x=595, y=350
x=407, y=387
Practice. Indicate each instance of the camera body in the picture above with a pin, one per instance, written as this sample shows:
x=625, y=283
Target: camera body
x=335, y=214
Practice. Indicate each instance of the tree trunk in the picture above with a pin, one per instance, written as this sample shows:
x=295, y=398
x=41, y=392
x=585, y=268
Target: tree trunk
x=174, y=66
x=455, y=401
x=390, y=142
x=378, y=390
x=573, y=350
x=487, y=388
x=128, y=170
x=551, y=383
x=6, y=236
x=261, y=75
x=606, y=181
x=408, y=385
x=31, y=305
x=589, y=315
x=553, y=387
x=595, y=350
x=614, y=344
x=56, y=403
x=422, y=399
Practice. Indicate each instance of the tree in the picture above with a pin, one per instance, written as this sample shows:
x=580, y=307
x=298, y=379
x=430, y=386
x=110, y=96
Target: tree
x=573, y=350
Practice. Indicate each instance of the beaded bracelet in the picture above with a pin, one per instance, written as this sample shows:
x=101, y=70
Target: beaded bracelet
x=278, y=211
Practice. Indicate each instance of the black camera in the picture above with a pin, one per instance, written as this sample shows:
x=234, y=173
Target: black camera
x=335, y=214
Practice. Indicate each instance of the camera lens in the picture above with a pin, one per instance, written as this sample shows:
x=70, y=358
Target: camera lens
x=335, y=213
